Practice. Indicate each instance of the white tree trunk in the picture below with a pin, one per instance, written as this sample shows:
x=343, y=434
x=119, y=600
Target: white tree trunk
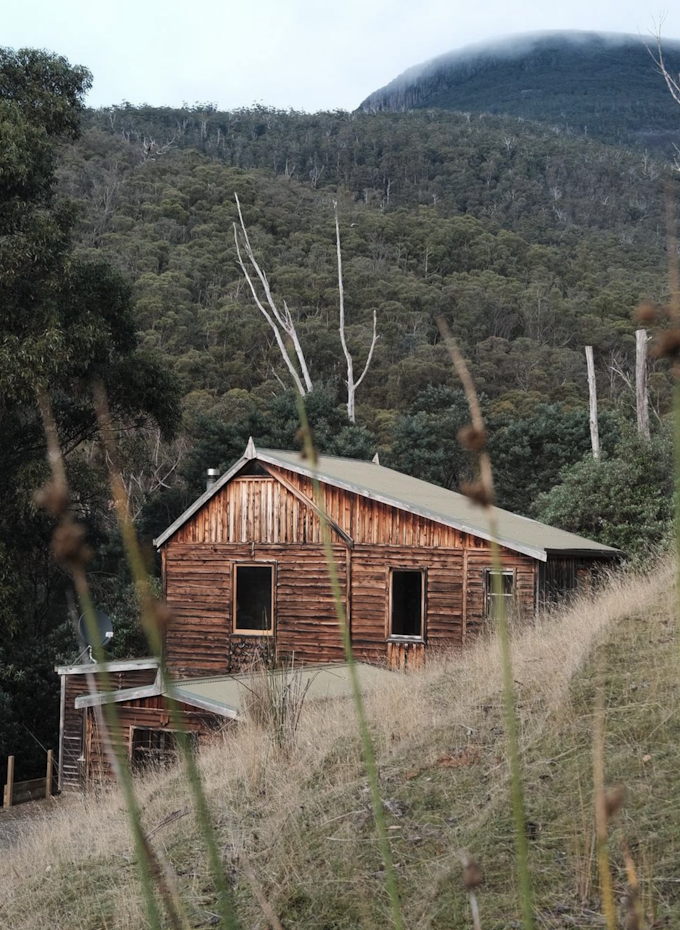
x=280, y=323
x=641, y=397
x=352, y=385
x=592, y=388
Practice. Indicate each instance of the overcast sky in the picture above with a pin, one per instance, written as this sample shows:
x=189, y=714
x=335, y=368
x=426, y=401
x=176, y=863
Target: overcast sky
x=305, y=54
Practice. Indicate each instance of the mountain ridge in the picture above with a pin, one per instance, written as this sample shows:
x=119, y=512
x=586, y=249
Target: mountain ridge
x=602, y=84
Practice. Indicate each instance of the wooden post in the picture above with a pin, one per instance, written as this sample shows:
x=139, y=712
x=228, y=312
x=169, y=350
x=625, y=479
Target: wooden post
x=48, y=777
x=641, y=383
x=9, y=787
x=592, y=388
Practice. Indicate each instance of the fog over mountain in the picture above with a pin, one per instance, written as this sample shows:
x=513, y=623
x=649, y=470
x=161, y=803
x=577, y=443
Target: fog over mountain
x=605, y=85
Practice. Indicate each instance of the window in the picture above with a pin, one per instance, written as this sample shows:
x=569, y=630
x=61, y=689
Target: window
x=149, y=747
x=407, y=604
x=498, y=586
x=254, y=599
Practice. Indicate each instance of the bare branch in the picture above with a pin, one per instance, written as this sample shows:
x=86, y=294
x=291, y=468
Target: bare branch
x=341, y=290
x=285, y=320
x=275, y=329
x=352, y=385
x=673, y=83
x=370, y=351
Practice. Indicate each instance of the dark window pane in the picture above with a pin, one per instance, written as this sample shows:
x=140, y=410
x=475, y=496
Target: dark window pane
x=407, y=604
x=254, y=597
x=155, y=747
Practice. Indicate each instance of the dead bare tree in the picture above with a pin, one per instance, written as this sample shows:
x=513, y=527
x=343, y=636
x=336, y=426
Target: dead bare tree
x=351, y=383
x=280, y=321
x=641, y=392
x=672, y=81
x=151, y=149
x=592, y=390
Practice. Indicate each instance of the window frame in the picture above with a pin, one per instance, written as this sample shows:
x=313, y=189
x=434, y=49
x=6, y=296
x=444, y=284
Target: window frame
x=236, y=631
x=489, y=593
x=396, y=637
x=162, y=755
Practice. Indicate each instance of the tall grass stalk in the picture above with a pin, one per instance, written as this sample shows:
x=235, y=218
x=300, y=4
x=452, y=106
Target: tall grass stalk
x=601, y=813
x=76, y=558
x=674, y=314
x=154, y=618
x=483, y=493
x=362, y=722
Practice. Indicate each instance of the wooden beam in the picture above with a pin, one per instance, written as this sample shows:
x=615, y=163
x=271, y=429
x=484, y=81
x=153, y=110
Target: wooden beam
x=310, y=503
x=641, y=397
x=9, y=786
x=48, y=776
x=463, y=619
x=592, y=389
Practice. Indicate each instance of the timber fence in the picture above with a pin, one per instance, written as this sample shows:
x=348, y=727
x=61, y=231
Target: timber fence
x=18, y=792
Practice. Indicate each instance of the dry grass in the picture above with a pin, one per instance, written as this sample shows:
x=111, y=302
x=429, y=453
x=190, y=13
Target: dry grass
x=297, y=819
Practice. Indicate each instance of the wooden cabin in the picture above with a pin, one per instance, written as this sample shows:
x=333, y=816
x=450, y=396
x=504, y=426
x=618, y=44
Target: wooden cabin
x=245, y=574
x=246, y=578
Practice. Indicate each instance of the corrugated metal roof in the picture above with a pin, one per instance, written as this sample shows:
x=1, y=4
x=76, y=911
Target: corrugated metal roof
x=376, y=482
x=226, y=695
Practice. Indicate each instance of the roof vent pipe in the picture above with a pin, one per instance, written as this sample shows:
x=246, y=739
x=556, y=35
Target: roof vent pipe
x=213, y=475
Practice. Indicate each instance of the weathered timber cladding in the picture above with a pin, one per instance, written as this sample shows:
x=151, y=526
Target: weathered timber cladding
x=478, y=560
x=254, y=519
x=75, y=685
x=199, y=581
x=402, y=656
x=564, y=575
x=252, y=509
x=149, y=712
x=370, y=580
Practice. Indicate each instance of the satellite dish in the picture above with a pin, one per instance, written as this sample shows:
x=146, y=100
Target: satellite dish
x=104, y=630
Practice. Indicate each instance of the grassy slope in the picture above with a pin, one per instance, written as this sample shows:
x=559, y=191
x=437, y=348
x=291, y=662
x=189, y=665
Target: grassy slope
x=300, y=822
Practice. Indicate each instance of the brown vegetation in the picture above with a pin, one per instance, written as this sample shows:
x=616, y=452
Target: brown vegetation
x=297, y=822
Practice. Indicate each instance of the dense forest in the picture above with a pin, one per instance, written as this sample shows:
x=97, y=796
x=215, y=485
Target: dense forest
x=118, y=262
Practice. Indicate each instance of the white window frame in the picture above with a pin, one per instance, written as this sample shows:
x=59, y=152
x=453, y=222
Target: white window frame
x=490, y=595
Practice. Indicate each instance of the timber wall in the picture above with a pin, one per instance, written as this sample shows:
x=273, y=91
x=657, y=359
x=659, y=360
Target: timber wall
x=72, y=747
x=561, y=576
x=256, y=519
x=150, y=712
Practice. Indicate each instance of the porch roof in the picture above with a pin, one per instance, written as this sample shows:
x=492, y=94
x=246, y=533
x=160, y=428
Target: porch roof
x=226, y=695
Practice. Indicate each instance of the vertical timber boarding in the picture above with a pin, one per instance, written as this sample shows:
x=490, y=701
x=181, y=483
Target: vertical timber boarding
x=564, y=575
x=272, y=518
x=74, y=684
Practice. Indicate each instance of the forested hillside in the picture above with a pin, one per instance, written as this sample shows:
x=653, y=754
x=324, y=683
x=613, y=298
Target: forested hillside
x=529, y=241
x=590, y=84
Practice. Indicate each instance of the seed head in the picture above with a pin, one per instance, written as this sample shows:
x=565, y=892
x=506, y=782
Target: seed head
x=477, y=493
x=306, y=437
x=473, y=876
x=160, y=615
x=646, y=313
x=668, y=344
x=472, y=438
x=51, y=497
x=68, y=545
x=613, y=801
